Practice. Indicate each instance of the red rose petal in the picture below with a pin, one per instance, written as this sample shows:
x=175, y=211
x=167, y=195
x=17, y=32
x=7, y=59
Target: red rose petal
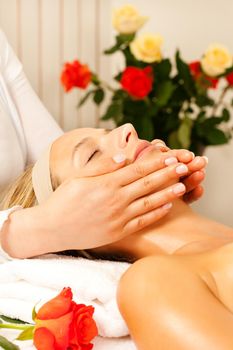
x=44, y=340
x=57, y=306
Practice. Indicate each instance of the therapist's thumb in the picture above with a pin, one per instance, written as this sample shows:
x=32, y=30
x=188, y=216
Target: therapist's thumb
x=116, y=162
x=109, y=165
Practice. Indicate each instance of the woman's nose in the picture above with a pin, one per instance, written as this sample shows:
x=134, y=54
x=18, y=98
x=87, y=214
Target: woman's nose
x=126, y=134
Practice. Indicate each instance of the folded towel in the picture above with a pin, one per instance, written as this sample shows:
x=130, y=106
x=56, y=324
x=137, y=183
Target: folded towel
x=24, y=283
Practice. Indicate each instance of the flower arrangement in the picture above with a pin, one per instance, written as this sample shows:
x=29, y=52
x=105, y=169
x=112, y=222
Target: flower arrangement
x=162, y=100
x=59, y=324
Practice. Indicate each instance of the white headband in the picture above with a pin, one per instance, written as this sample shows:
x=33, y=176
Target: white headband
x=41, y=177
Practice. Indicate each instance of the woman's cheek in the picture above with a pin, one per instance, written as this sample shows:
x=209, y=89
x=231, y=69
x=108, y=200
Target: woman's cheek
x=100, y=166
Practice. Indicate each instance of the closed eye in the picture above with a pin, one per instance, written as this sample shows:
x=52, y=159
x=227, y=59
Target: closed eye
x=93, y=154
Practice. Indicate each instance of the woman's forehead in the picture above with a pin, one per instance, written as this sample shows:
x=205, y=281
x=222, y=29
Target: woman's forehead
x=79, y=134
x=83, y=132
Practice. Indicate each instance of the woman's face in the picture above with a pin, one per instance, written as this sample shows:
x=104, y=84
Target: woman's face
x=81, y=152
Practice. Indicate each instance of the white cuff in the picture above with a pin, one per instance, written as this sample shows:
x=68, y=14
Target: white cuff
x=4, y=215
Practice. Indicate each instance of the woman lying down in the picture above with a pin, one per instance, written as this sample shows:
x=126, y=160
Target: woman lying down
x=178, y=293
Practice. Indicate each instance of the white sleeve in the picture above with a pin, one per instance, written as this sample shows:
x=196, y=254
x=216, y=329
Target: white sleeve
x=4, y=214
x=40, y=128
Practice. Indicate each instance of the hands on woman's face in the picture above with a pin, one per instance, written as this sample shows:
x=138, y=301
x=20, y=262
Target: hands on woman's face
x=100, y=201
x=196, y=174
x=87, y=210
x=89, y=152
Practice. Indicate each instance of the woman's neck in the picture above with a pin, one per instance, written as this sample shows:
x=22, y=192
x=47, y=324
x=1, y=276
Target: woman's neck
x=182, y=231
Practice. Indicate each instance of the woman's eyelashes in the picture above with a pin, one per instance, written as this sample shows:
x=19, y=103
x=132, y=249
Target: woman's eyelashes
x=92, y=155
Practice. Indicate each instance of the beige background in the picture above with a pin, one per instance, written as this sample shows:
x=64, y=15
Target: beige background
x=46, y=33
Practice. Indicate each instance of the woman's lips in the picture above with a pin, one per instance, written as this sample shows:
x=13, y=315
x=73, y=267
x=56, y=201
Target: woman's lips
x=144, y=147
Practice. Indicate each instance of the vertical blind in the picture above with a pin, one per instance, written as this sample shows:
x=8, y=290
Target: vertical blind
x=45, y=34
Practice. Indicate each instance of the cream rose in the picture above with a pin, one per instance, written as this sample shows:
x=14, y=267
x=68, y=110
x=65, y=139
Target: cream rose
x=147, y=48
x=216, y=60
x=127, y=20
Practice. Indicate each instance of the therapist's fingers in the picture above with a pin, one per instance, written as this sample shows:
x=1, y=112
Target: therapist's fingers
x=198, y=163
x=142, y=221
x=160, y=145
x=194, y=195
x=183, y=155
x=141, y=168
x=155, y=181
x=149, y=203
x=193, y=180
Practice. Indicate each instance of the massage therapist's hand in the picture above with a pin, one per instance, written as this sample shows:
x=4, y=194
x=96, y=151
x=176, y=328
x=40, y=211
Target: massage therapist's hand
x=94, y=211
x=196, y=175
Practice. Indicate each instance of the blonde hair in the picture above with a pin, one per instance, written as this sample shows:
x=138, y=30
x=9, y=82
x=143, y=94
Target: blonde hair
x=21, y=191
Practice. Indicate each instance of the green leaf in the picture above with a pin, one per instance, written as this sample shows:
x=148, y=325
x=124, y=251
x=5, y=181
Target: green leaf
x=184, y=132
x=225, y=115
x=26, y=334
x=216, y=137
x=125, y=38
x=147, y=130
x=204, y=100
x=12, y=320
x=34, y=313
x=162, y=69
x=98, y=96
x=122, y=41
x=173, y=141
x=118, y=76
x=201, y=117
x=165, y=91
x=114, y=111
x=112, y=49
x=7, y=345
x=185, y=75
x=85, y=97
x=95, y=79
x=227, y=71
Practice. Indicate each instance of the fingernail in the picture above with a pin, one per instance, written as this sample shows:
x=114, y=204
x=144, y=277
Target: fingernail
x=171, y=160
x=181, y=169
x=119, y=158
x=193, y=155
x=179, y=188
x=206, y=159
x=167, y=206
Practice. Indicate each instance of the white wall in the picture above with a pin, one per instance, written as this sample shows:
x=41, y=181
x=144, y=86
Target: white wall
x=45, y=33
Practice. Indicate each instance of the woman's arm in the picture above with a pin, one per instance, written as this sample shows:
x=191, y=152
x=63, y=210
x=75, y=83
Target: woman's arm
x=40, y=129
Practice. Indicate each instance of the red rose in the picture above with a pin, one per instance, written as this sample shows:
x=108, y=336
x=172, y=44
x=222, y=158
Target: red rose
x=75, y=75
x=62, y=324
x=137, y=82
x=195, y=68
x=229, y=78
x=203, y=80
x=83, y=327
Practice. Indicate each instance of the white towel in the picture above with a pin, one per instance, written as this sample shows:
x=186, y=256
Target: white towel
x=24, y=283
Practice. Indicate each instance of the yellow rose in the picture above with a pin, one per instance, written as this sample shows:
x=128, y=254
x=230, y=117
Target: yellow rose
x=127, y=20
x=147, y=48
x=216, y=60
